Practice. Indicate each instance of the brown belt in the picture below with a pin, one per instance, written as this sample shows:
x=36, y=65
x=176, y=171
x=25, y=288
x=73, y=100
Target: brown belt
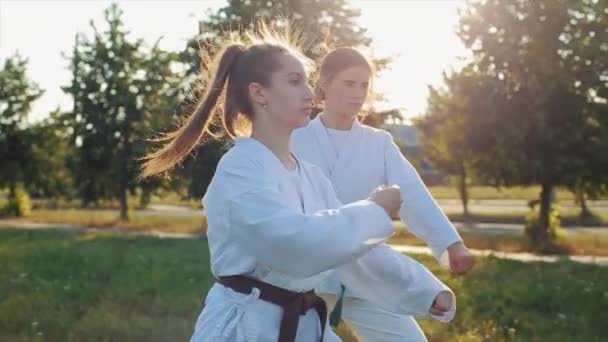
x=293, y=303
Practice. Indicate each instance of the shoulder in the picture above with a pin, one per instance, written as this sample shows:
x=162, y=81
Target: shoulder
x=376, y=134
x=240, y=156
x=246, y=166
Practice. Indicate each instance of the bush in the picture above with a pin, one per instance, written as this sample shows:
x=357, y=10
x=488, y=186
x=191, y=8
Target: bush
x=533, y=228
x=19, y=205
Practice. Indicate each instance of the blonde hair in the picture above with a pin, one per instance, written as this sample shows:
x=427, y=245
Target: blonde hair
x=246, y=58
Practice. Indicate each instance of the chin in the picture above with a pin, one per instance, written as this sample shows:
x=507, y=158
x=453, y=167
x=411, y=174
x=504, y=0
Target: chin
x=303, y=122
x=351, y=112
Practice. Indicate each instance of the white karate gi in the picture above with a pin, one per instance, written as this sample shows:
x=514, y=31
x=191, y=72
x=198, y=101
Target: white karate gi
x=288, y=230
x=356, y=162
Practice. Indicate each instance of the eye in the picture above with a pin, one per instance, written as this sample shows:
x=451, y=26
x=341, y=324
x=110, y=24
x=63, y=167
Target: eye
x=295, y=79
x=365, y=85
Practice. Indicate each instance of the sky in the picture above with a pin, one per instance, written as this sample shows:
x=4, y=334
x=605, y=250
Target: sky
x=419, y=34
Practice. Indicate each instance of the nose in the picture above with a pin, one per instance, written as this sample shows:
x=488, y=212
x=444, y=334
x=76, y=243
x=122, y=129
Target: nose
x=362, y=94
x=308, y=94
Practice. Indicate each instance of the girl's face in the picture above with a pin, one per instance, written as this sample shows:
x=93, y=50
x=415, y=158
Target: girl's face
x=346, y=92
x=289, y=99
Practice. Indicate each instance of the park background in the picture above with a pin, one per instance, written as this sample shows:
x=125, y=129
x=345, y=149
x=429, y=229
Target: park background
x=500, y=105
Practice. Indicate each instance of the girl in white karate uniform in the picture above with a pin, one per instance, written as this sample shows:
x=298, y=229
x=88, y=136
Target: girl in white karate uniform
x=357, y=159
x=275, y=226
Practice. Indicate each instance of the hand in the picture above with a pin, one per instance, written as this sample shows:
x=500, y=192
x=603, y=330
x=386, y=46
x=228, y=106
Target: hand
x=461, y=259
x=388, y=198
x=442, y=303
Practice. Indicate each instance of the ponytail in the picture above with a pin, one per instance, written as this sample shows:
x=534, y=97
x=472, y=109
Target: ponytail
x=183, y=140
x=236, y=67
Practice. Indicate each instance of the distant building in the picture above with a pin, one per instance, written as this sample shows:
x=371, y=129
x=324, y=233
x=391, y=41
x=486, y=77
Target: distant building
x=408, y=138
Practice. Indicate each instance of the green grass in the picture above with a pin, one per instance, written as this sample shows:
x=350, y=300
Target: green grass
x=63, y=287
x=59, y=286
x=510, y=301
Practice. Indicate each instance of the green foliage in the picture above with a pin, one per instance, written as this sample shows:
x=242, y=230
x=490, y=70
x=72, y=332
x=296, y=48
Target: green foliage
x=17, y=94
x=531, y=107
x=323, y=23
x=51, y=152
x=123, y=93
x=18, y=204
x=534, y=230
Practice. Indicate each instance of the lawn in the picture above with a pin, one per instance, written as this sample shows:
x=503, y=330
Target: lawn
x=59, y=286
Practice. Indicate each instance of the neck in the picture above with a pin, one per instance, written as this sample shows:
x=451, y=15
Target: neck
x=276, y=139
x=332, y=119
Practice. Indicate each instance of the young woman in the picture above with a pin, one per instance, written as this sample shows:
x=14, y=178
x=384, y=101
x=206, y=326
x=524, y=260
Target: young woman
x=357, y=159
x=275, y=227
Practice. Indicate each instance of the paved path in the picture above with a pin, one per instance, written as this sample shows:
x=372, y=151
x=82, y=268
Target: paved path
x=523, y=257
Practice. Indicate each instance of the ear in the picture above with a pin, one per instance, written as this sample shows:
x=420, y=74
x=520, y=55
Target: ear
x=323, y=82
x=258, y=94
x=320, y=90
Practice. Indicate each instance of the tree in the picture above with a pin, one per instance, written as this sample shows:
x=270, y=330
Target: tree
x=121, y=93
x=324, y=22
x=585, y=39
x=445, y=130
x=50, y=176
x=377, y=118
x=537, y=117
x=320, y=26
x=163, y=99
x=17, y=94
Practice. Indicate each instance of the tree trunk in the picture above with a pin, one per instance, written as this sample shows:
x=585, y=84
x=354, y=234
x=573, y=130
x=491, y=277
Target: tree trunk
x=124, y=205
x=582, y=201
x=124, y=175
x=462, y=189
x=124, y=213
x=144, y=199
x=11, y=190
x=545, y=210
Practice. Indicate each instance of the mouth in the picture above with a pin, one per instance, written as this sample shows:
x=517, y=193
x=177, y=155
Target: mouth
x=307, y=110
